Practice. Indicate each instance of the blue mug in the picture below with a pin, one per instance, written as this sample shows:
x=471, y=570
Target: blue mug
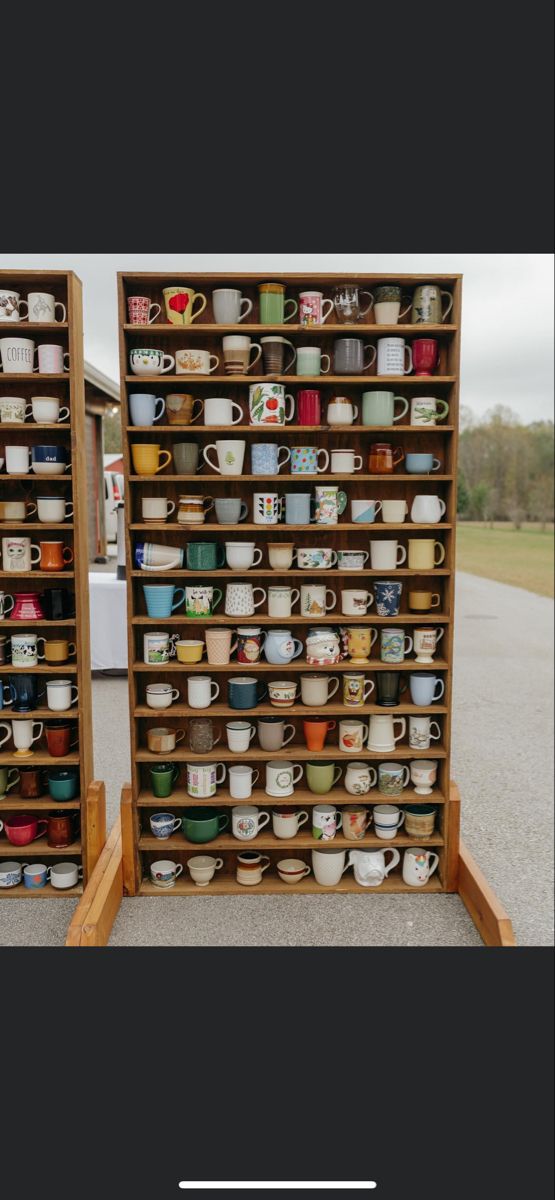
x=49, y=457
x=421, y=464
x=153, y=557
x=24, y=691
x=298, y=508
x=143, y=406
x=387, y=594
x=265, y=458
x=162, y=599
x=245, y=693
x=5, y=694
x=424, y=689
x=163, y=824
x=34, y=875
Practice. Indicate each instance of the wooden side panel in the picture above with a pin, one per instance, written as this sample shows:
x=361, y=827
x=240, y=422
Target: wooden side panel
x=490, y=918
x=452, y=821
x=130, y=841
x=101, y=899
x=95, y=817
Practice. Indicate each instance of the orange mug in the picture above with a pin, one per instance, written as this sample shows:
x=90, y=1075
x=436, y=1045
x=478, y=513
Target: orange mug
x=315, y=732
x=54, y=556
x=383, y=458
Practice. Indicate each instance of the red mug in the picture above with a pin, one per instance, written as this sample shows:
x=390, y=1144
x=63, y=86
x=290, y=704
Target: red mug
x=23, y=828
x=315, y=732
x=308, y=407
x=425, y=355
x=58, y=740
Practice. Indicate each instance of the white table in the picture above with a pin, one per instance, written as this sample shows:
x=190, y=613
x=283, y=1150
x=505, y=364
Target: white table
x=108, y=612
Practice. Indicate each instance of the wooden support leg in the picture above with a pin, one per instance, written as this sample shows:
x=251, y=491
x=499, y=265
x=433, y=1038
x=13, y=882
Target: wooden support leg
x=453, y=824
x=96, y=911
x=95, y=818
x=131, y=864
x=492, y=922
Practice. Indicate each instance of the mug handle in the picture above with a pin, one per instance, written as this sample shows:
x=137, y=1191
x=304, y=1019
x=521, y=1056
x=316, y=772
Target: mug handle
x=302, y=818
x=66, y=365
x=161, y=464
x=330, y=310
x=337, y=773
x=208, y=460
x=216, y=363
x=293, y=312
x=444, y=405
x=404, y=311
x=26, y=317
x=365, y=733
x=405, y=783
x=179, y=602
x=333, y=562
x=401, y=551
x=408, y=644
x=176, y=824
x=4, y=725
x=255, y=562
x=217, y=596
x=220, y=556
x=403, y=411
x=338, y=821
x=435, y=601
x=171, y=363
x=368, y=689
x=70, y=513
x=436, y=464
x=255, y=778
x=292, y=360
x=334, y=681
x=223, y=816
x=170, y=508
x=289, y=415
x=295, y=595
x=263, y=813
x=300, y=650
x=333, y=602
x=67, y=467
x=12, y=782
x=74, y=698
x=30, y=509
x=159, y=400
x=39, y=655
x=439, y=635
x=441, y=691
x=254, y=346
x=323, y=451
x=263, y=694
x=432, y=869
x=63, y=414
x=150, y=319
x=198, y=296
x=267, y=863
x=257, y=603
x=248, y=309
x=297, y=767
x=373, y=636
x=200, y=411
x=365, y=311
x=175, y=694
x=399, y=721
x=395, y=858
x=373, y=777
x=212, y=698
x=251, y=734
x=408, y=350
x=7, y=611
x=178, y=870
x=283, y=460
x=445, y=314
x=373, y=352
x=67, y=551
x=438, y=561
x=36, y=736
x=209, y=502
x=286, y=740
x=34, y=561
x=175, y=773
x=237, y=420
x=42, y=831
x=434, y=737
x=370, y=599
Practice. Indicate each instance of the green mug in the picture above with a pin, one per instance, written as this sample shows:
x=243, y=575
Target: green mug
x=9, y=776
x=203, y=824
x=205, y=556
x=272, y=304
x=321, y=777
x=378, y=408
x=63, y=784
x=162, y=777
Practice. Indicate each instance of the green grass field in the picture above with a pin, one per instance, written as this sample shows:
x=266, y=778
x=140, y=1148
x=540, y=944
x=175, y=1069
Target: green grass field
x=522, y=557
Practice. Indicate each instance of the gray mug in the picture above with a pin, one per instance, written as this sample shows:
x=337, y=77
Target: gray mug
x=348, y=356
x=298, y=506
x=230, y=511
x=185, y=457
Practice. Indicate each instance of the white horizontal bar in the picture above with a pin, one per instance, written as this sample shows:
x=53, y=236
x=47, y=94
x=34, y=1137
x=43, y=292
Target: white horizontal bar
x=330, y=1186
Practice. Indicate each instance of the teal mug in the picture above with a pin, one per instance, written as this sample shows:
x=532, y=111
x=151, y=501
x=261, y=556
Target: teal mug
x=63, y=784
x=378, y=408
x=203, y=824
x=205, y=556
x=163, y=777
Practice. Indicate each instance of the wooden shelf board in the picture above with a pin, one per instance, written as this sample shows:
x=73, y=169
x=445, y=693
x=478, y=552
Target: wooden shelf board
x=33, y=425
x=292, y=752
x=38, y=714
x=339, y=330
x=333, y=706
x=10, y=624
x=46, y=893
x=41, y=669
x=30, y=477
x=39, y=758
x=248, y=527
x=268, y=841
x=36, y=526
x=302, y=797
x=33, y=376
x=262, y=619
x=11, y=803
x=214, y=477
x=272, y=885
x=15, y=576
x=25, y=327
x=283, y=672
x=39, y=847
x=322, y=572
x=334, y=429
x=230, y=380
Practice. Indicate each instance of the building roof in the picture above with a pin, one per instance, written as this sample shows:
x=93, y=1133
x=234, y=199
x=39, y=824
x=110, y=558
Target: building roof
x=101, y=382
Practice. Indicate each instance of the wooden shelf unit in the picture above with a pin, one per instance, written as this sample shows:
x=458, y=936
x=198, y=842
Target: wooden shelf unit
x=441, y=440
x=72, y=485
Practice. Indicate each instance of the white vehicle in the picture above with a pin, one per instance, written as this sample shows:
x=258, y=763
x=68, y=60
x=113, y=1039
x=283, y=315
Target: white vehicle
x=113, y=493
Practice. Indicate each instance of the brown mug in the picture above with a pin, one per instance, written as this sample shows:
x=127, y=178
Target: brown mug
x=383, y=458
x=54, y=556
x=180, y=408
x=32, y=783
x=58, y=650
x=58, y=739
x=161, y=740
x=61, y=828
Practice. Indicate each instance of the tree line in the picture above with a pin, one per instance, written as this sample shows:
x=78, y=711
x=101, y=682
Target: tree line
x=505, y=468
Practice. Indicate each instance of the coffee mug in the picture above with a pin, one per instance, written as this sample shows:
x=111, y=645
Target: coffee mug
x=272, y=304
x=326, y=822
x=250, y=641
x=160, y=695
x=201, y=691
x=359, y=778
x=205, y=556
x=356, y=689
x=251, y=867
x=394, y=644
x=387, y=594
x=17, y=355
x=388, y=820
x=422, y=732
x=281, y=600
x=161, y=740
x=315, y=731
x=16, y=510
x=286, y=822
x=141, y=311
x=345, y=462
x=310, y=362
x=316, y=690
x=364, y=512
x=273, y=733
x=394, y=356
x=189, y=650
x=145, y=408
x=243, y=692
x=341, y=411
x=19, y=554
x=195, y=362
x=239, y=736
x=202, y=824
x=273, y=349
x=425, y=643
x=424, y=554
x=378, y=408
x=150, y=362
x=158, y=648
x=387, y=305
x=241, y=556
x=156, y=509
x=421, y=464
x=427, y=304
x=390, y=686
x=427, y=510
x=237, y=354
x=180, y=408
x=202, y=735
x=163, y=776
x=329, y=866
x=346, y=299
x=425, y=353
x=426, y=410
x=162, y=599
x=246, y=819
x=394, y=512
x=425, y=688
x=47, y=410
x=61, y=694
x=147, y=458
x=267, y=508
x=11, y=305
x=355, y=602
x=321, y=777
x=163, y=824
x=230, y=511
x=180, y=304
x=202, y=867
x=269, y=404
x=282, y=693
x=386, y=555
x=53, y=509
x=281, y=777
x=229, y=306
x=383, y=458
x=392, y=778
x=14, y=410
x=420, y=820
x=219, y=410
x=305, y=460
x=423, y=773
x=164, y=873
x=266, y=458
x=356, y=821
x=381, y=736
x=353, y=736
x=418, y=866
x=280, y=555
x=240, y=599
x=230, y=456
x=371, y=866
x=348, y=356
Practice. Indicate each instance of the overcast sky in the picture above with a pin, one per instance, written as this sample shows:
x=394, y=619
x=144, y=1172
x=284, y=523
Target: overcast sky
x=507, y=338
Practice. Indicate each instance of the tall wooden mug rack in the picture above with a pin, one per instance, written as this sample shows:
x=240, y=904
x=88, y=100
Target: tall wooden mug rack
x=71, y=484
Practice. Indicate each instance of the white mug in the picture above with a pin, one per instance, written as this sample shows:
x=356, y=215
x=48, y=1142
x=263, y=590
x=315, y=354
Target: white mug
x=47, y=410
x=387, y=820
x=14, y=410
x=64, y=875
x=426, y=410
x=418, y=865
x=394, y=511
x=230, y=455
x=423, y=731
x=287, y=822
x=239, y=735
x=240, y=556
x=355, y=602
x=195, y=362
x=353, y=736
x=42, y=308
x=246, y=819
x=359, y=778
x=18, y=460
x=316, y=690
x=25, y=649
x=52, y=359
x=241, y=782
x=267, y=508
x=160, y=695
x=328, y=866
x=158, y=648
x=240, y=601
x=423, y=773
x=394, y=356
x=345, y=462
x=381, y=732
x=61, y=694
x=427, y=510
x=156, y=508
x=24, y=734
x=203, y=778
x=10, y=305
x=227, y=306
x=314, y=599
x=370, y=866
x=326, y=822
x=218, y=410
x=425, y=643
x=202, y=868
x=236, y=348
x=341, y=411
x=201, y=691
x=386, y=555
x=19, y=554
x=17, y=355
x=281, y=600
x=281, y=777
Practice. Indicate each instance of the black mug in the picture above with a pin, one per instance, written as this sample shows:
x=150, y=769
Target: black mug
x=24, y=690
x=389, y=685
x=58, y=604
x=5, y=649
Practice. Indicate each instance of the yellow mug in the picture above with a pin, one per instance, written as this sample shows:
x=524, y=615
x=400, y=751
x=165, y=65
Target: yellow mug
x=147, y=458
x=179, y=303
x=422, y=601
x=359, y=642
x=189, y=651
x=422, y=554
x=58, y=650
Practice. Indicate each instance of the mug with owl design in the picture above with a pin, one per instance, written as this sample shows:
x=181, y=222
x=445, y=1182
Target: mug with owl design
x=418, y=866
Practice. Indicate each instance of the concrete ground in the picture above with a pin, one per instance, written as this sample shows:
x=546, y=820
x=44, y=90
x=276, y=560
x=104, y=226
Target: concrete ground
x=502, y=761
